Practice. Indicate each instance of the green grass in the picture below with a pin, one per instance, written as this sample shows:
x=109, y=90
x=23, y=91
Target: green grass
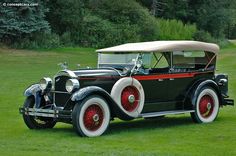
x=173, y=135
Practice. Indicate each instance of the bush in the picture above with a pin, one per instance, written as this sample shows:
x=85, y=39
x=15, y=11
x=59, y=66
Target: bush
x=38, y=40
x=204, y=36
x=65, y=39
x=136, y=21
x=99, y=32
x=176, y=30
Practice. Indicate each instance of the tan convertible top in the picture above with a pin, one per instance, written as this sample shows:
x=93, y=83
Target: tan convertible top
x=163, y=46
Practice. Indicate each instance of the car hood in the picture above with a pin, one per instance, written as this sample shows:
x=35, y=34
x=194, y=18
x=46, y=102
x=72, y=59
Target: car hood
x=97, y=72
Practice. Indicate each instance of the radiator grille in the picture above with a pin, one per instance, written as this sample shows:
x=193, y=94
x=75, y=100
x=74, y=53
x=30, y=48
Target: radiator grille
x=61, y=96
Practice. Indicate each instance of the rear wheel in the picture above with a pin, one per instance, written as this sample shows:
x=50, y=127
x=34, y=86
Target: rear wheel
x=34, y=122
x=91, y=117
x=206, y=106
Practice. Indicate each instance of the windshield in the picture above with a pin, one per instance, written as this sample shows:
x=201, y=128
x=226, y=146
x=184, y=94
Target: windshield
x=122, y=59
x=105, y=58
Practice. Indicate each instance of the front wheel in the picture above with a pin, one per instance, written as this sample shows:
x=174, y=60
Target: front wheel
x=34, y=122
x=91, y=117
x=206, y=106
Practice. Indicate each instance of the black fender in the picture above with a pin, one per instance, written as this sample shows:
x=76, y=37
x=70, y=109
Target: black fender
x=81, y=94
x=36, y=91
x=195, y=89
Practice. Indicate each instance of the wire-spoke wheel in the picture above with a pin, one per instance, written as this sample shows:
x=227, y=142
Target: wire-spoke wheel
x=34, y=122
x=206, y=106
x=130, y=98
x=91, y=117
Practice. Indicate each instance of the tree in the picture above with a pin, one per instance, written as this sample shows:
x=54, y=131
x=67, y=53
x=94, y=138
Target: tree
x=129, y=14
x=20, y=22
x=211, y=15
x=66, y=16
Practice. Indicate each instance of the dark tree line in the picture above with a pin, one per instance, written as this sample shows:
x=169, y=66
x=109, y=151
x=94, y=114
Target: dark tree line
x=218, y=17
x=100, y=23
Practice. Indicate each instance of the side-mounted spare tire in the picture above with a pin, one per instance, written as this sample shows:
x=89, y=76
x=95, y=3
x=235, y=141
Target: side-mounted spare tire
x=128, y=93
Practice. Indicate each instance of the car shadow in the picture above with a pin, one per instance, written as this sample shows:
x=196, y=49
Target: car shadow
x=147, y=124
x=119, y=126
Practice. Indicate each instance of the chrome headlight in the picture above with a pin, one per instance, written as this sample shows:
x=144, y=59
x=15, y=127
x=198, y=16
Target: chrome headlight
x=72, y=84
x=45, y=82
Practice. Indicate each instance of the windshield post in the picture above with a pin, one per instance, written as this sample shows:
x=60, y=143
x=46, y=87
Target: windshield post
x=137, y=63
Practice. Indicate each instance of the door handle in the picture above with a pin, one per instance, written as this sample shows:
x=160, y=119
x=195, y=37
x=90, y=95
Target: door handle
x=171, y=78
x=160, y=79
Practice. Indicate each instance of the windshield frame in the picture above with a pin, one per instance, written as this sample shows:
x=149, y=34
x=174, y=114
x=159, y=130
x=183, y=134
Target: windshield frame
x=124, y=64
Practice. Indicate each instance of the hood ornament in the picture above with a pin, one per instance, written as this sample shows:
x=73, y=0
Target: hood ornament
x=64, y=65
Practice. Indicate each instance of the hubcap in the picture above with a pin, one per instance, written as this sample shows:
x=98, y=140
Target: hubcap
x=130, y=98
x=96, y=118
x=206, y=106
x=93, y=117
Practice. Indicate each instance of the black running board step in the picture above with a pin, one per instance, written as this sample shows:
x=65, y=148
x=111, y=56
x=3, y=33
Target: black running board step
x=154, y=114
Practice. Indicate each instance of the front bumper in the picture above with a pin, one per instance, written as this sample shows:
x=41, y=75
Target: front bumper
x=51, y=113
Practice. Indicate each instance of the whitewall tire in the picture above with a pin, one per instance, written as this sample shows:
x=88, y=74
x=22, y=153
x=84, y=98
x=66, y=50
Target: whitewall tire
x=206, y=106
x=91, y=117
x=128, y=93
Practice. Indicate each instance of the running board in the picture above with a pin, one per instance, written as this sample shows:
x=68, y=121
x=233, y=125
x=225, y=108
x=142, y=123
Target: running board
x=155, y=114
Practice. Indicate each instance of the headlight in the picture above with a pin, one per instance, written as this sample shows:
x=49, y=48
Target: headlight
x=72, y=84
x=45, y=82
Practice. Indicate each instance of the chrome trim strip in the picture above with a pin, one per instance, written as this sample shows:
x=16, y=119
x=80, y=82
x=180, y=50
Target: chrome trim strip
x=60, y=92
x=66, y=73
x=42, y=114
x=154, y=114
x=41, y=110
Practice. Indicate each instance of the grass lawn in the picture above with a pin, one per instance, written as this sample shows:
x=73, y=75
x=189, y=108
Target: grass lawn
x=173, y=135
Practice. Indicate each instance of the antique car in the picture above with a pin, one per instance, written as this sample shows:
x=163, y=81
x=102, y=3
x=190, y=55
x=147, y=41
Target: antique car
x=134, y=80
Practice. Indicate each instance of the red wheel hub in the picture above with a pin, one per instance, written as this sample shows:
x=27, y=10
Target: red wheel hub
x=130, y=98
x=206, y=106
x=93, y=117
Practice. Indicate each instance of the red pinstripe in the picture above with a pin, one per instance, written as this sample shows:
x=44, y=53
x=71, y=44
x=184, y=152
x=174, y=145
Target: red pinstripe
x=151, y=77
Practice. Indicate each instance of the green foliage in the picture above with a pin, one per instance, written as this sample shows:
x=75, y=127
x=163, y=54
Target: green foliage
x=65, y=39
x=211, y=16
x=19, y=22
x=204, y=36
x=111, y=22
x=38, y=40
x=66, y=16
x=99, y=32
x=102, y=23
x=214, y=16
x=176, y=30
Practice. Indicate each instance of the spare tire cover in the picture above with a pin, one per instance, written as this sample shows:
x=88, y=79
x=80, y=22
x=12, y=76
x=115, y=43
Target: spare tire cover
x=128, y=93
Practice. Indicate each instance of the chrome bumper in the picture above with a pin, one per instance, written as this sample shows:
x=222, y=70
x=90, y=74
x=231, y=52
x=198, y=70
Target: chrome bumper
x=51, y=113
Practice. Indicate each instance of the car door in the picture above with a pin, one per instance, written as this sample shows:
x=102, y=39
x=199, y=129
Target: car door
x=156, y=86
x=183, y=73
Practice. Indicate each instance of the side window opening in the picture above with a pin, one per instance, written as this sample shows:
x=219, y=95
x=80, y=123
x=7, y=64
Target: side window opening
x=160, y=63
x=190, y=60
